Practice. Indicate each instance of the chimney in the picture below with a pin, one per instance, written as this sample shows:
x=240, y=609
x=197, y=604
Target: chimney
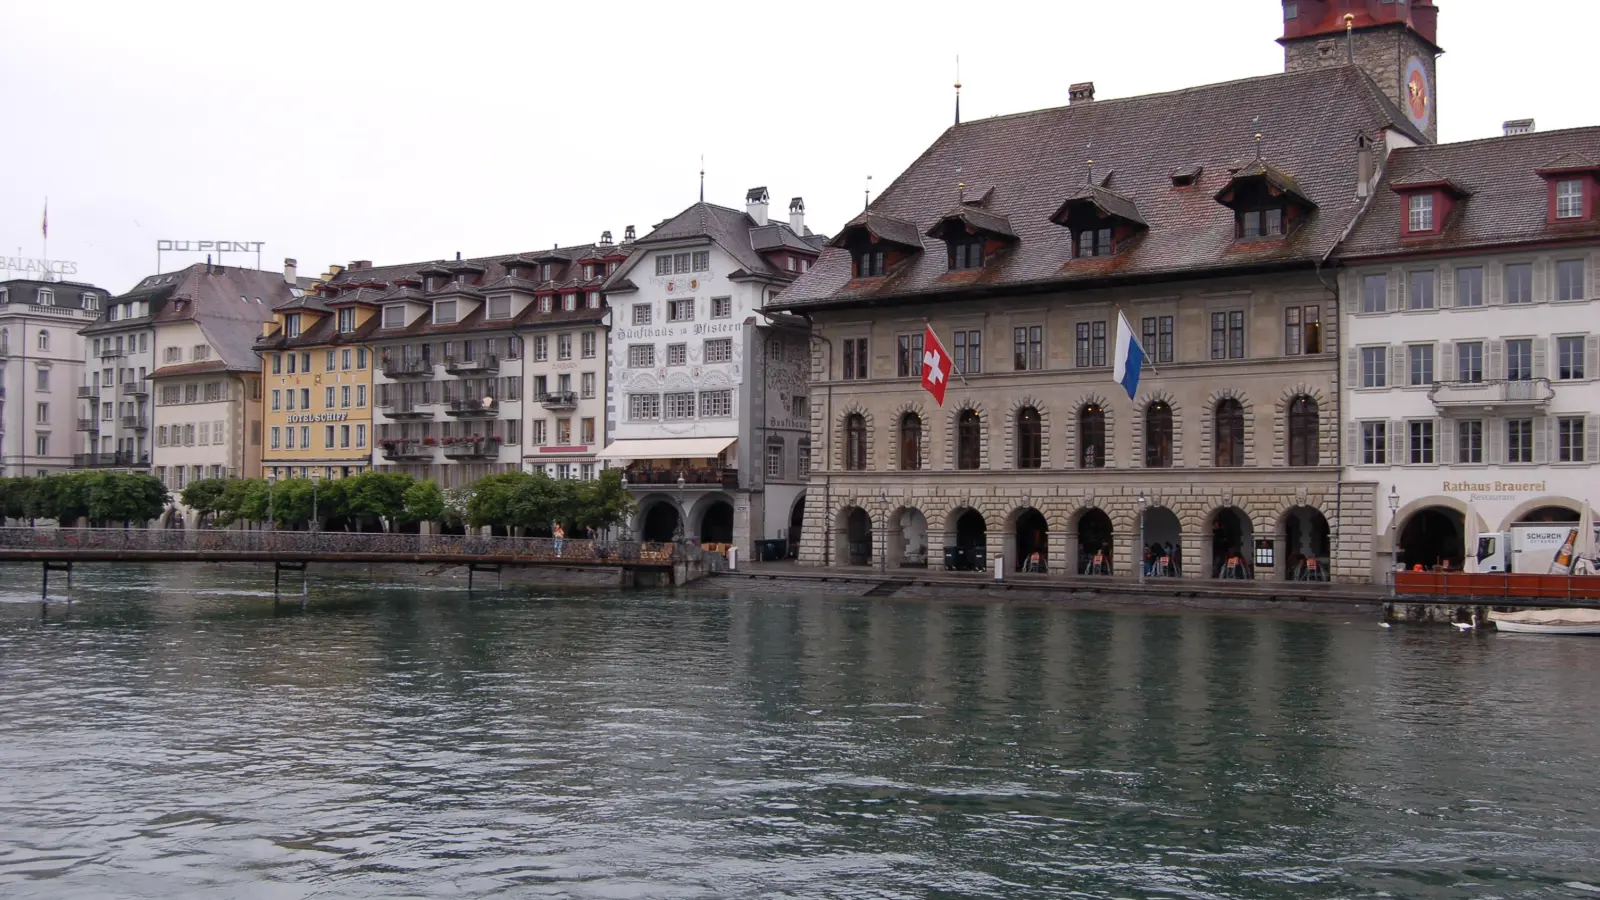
x=1518, y=126
x=1363, y=166
x=1082, y=92
x=627, y=235
x=359, y=264
x=605, y=238
x=797, y=216
x=755, y=204
x=289, y=267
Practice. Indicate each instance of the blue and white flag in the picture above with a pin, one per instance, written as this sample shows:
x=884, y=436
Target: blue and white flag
x=1129, y=357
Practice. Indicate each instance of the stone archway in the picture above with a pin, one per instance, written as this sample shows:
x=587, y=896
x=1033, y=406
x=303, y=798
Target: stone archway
x=853, y=537
x=966, y=539
x=716, y=523
x=1433, y=536
x=1544, y=509
x=1227, y=544
x=797, y=522
x=907, y=538
x=660, y=522
x=1303, y=548
x=1162, y=528
x=1030, y=541
x=1095, y=535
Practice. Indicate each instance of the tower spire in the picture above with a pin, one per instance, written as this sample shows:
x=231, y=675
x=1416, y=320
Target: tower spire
x=958, y=89
x=702, y=178
x=1349, y=39
x=866, y=194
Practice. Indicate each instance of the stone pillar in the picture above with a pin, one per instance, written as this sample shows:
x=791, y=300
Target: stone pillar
x=1061, y=552
x=1195, y=565
x=1126, y=555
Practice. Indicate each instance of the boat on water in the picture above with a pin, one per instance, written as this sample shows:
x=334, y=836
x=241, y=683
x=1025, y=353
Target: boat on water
x=1548, y=621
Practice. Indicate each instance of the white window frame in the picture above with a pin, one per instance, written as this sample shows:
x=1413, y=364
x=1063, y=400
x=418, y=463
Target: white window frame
x=1569, y=198
x=394, y=316
x=1419, y=212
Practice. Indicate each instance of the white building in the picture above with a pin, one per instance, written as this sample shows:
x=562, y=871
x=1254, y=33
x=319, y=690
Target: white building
x=707, y=404
x=1472, y=341
x=41, y=366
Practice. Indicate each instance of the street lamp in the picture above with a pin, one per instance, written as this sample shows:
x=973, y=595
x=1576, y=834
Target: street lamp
x=1138, y=555
x=683, y=511
x=883, y=541
x=272, y=492
x=316, y=478
x=1394, y=535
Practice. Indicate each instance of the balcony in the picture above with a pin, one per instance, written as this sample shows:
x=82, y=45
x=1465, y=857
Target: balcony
x=470, y=448
x=696, y=477
x=1489, y=396
x=487, y=408
x=88, y=392
x=137, y=423
x=421, y=409
x=487, y=364
x=559, y=400
x=407, y=368
x=136, y=389
x=398, y=450
x=121, y=458
x=111, y=353
x=90, y=425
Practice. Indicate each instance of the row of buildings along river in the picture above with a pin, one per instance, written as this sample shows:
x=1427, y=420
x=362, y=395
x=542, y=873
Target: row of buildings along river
x=1356, y=339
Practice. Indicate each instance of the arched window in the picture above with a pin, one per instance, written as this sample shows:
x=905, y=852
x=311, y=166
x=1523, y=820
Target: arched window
x=44, y=340
x=1229, y=427
x=910, y=442
x=1092, y=437
x=1030, y=439
x=855, y=442
x=969, y=431
x=1303, y=431
x=1158, y=435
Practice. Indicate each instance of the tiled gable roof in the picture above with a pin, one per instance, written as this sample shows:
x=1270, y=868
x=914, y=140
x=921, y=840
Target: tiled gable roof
x=1037, y=160
x=730, y=229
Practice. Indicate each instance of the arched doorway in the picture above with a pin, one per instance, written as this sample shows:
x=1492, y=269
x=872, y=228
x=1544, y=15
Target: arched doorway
x=1094, y=542
x=660, y=523
x=908, y=538
x=968, y=536
x=853, y=537
x=716, y=523
x=1163, y=538
x=797, y=521
x=1550, y=514
x=1303, y=549
x=1232, y=541
x=1433, y=536
x=1031, y=537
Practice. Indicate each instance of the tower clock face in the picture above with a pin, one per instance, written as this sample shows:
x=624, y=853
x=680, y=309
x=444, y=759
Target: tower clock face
x=1418, y=93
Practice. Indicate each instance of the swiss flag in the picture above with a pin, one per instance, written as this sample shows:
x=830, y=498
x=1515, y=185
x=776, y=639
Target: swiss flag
x=935, y=366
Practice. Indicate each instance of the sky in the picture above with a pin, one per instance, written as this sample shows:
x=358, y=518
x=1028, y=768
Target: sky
x=398, y=131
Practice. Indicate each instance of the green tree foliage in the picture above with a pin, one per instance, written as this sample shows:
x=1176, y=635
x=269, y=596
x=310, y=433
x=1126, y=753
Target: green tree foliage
x=100, y=497
x=243, y=499
x=18, y=497
x=204, y=496
x=424, y=502
x=380, y=495
x=131, y=499
x=600, y=504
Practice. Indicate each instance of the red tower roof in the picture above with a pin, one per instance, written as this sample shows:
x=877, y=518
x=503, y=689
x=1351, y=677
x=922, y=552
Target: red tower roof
x=1309, y=18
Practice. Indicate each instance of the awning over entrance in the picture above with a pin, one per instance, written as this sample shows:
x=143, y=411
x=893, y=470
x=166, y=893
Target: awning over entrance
x=666, y=448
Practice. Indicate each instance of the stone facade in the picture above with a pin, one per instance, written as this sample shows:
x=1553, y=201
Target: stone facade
x=1383, y=53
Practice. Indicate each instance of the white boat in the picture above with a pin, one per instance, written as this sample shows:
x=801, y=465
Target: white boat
x=1548, y=621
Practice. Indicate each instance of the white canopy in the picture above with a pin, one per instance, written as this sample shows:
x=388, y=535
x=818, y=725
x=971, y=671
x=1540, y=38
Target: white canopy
x=666, y=448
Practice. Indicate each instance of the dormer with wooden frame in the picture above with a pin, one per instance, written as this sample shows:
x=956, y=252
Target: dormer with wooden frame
x=552, y=265
x=1102, y=221
x=972, y=236
x=434, y=276
x=1426, y=201
x=1573, y=189
x=877, y=243
x=1267, y=202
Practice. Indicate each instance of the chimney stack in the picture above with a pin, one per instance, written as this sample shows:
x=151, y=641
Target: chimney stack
x=357, y=265
x=289, y=267
x=627, y=235
x=797, y=216
x=1364, y=171
x=605, y=238
x=755, y=204
x=1082, y=92
x=1518, y=126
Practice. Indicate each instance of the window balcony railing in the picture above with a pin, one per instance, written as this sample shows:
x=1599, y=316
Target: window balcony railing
x=556, y=400
x=407, y=368
x=486, y=408
x=112, y=353
x=137, y=423
x=90, y=425
x=472, y=448
x=136, y=388
x=694, y=477
x=395, y=450
x=88, y=392
x=1533, y=393
x=417, y=409
x=120, y=458
x=487, y=364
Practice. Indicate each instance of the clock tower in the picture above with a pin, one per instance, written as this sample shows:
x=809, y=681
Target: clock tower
x=1393, y=41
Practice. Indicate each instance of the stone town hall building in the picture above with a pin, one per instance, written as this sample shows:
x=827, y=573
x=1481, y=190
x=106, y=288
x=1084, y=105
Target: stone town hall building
x=1207, y=216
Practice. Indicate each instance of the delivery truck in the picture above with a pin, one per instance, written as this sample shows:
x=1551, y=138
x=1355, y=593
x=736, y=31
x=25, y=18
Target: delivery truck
x=1531, y=548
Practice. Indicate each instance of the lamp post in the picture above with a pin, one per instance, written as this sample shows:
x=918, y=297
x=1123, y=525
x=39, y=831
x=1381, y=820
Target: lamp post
x=683, y=511
x=272, y=498
x=1394, y=535
x=883, y=541
x=1138, y=554
x=316, y=479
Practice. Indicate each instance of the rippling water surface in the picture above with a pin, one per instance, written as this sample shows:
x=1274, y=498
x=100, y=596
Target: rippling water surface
x=171, y=735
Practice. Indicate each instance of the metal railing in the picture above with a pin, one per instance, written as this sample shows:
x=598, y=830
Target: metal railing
x=137, y=423
x=88, y=392
x=407, y=450
x=469, y=548
x=89, y=424
x=483, y=447
x=485, y=363
x=486, y=408
x=559, y=400
x=407, y=368
x=103, y=460
x=1526, y=392
x=136, y=387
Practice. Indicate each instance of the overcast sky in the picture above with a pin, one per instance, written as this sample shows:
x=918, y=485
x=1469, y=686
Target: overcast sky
x=399, y=131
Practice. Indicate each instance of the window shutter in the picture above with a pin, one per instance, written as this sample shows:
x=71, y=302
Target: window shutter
x=1397, y=365
x=1591, y=356
x=1397, y=295
x=1541, y=440
x=1541, y=352
x=1594, y=274
x=1444, y=441
x=1446, y=369
x=1540, y=277
x=1352, y=367
x=1493, y=284
x=1352, y=443
x=1494, y=432
x=1591, y=439
x=1495, y=366
x=1397, y=442
x=1446, y=296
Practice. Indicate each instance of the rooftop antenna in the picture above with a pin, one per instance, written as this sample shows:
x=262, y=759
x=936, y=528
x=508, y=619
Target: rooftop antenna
x=866, y=195
x=1256, y=124
x=702, y=178
x=961, y=187
x=958, y=89
x=1349, y=38
x=1087, y=148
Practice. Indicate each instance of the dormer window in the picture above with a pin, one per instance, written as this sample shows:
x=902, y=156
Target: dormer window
x=545, y=270
x=869, y=264
x=1569, y=198
x=545, y=304
x=1260, y=223
x=1419, y=212
x=1092, y=240
x=394, y=316
x=347, y=320
x=1266, y=202
x=1101, y=220
x=291, y=325
x=569, y=302
x=966, y=254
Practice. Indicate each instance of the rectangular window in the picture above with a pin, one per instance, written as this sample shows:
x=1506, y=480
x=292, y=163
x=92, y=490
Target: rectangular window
x=332, y=356
x=41, y=413
x=1519, y=283
x=1469, y=361
x=361, y=436
x=677, y=354
x=702, y=260
x=966, y=255
x=908, y=355
x=499, y=307
x=1469, y=442
x=1374, y=367
x=344, y=397
x=1419, y=294
x=305, y=398
x=1421, y=212
x=588, y=345
x=347, y=320
x=1097, y=343
x=1080, y=346
x=541, y=347
x=721, y=307
x=361, y=396
x=1420, y=357
x=855, y=358
x=968, y=356
x=276, y=438
x=277, y=397
x=361, y=357
x=1374, y=443
x=327, y=437
x=1469, y=286
x=394, y=316
x=277, y=363
x=1519, y=440
x=716, y=404
x=288, y=434
x=1375, y=294
x=1569, y=439
x=1569, y=279
x=1227, y=334
x=680, y=310
x=563, y=346
x=1569, y=358
x=664, y=264
x=1027, y=348
x=327, y=398
x=305, y=437
x=641, y=313
x=587, y=426
x=1157, y=338
x=1291, y=331
x=1519, y=360
x=191, y=394
x=720, y=350
x=444, y=312
x=1420, y=443
x=1569, y=199
x=775, y=461
x=588, y=385
x=680, y=406
x=641, y=407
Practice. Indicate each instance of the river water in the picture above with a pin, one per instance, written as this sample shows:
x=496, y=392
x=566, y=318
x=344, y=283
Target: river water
x=172, y=735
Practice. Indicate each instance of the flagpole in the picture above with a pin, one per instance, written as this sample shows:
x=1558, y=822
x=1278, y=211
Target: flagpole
x=960, y=373
x=1148, y=360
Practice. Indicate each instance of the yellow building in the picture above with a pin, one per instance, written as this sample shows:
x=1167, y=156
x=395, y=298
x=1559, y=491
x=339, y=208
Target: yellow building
x=316, y=376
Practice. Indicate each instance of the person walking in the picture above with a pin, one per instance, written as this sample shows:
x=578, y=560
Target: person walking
x=560, y=535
